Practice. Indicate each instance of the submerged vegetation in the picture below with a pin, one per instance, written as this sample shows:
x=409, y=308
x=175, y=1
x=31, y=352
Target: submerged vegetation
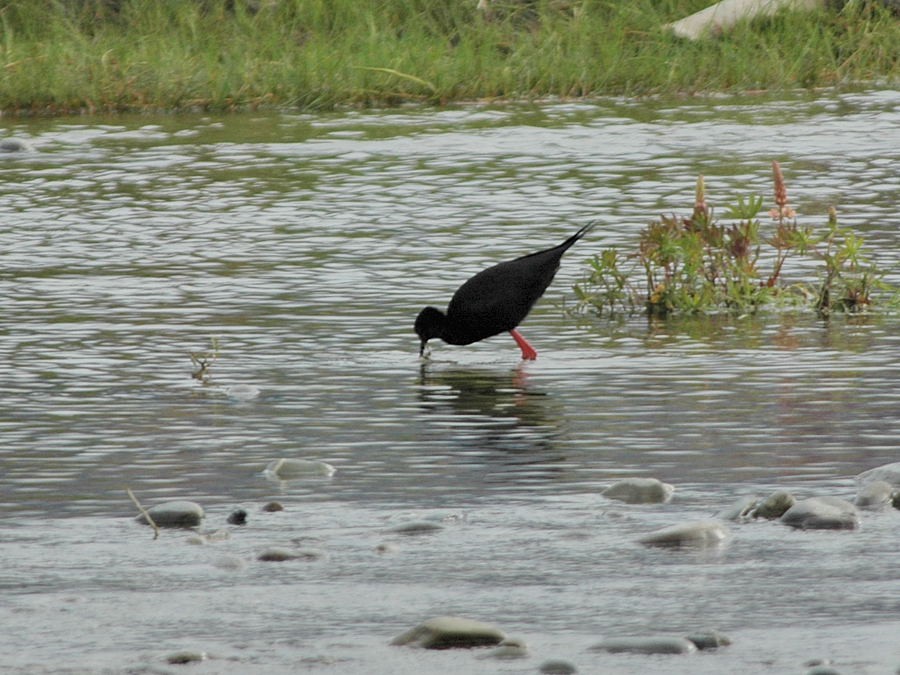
x=63, y=56
x=697, y=265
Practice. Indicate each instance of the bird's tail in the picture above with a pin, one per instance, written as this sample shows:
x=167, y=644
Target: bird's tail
x=578, y=235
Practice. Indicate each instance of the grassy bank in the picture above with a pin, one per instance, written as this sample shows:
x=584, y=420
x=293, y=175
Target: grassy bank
x=61, y=56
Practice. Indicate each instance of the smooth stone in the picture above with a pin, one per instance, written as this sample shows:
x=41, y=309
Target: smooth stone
x=557, y=667
x=174, y=514
x=822, y=513
x=416, y=527
x=700, y=534
x=181, y=658
x=875, y=495
x=286, y=554
x=13, y=145
x=889, y=473
x=646, y=645
x=286, y=469
x=272, y=507
x=775, y=505
x=446, y=632
x=711, y=640
x=508, y=650
x=237, y=517
x=640, y=491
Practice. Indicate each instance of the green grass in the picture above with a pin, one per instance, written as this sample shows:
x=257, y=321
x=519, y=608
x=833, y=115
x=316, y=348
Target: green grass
x=62, y=56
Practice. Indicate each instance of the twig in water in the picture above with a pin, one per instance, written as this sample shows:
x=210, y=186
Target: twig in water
x=144, y=513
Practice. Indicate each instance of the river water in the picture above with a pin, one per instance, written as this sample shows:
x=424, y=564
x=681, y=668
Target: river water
x=304, y=246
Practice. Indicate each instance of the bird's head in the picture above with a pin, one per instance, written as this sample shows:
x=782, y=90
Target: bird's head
x=429, y=324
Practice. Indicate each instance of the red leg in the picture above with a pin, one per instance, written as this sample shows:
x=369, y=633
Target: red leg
x=528, y=352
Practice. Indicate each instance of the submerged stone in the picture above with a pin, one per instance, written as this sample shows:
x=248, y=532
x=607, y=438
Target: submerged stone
x=181, y=658
x=775, y=505
x=237, y=517
x=508, y=650
x=711, y=640
x=287, y=469
x=700, y=534
x=446, y=632
x=875, y=495
x=557, y=667
x=640, y=491
x=742, y=509
x=822, y=513
x=276, y=554
x=13, y=145
x=417, y=527
x=646, y=645
x=174, y=514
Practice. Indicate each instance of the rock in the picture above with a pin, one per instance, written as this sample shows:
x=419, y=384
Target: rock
x=640, y=491
x=238, y=517
x=774, y=505
x=822, y=513
x=445, y=632
x=174, y=514
x=646, y=645
x=272, y=507
x=711, y=640
x=181, y=658
x=416, y=527
x=284, y=554
x=875, y=495
x=889, y=473
x=288, y=469
x=13, y=145
x=700, y=534
x=742, y=509
x=508, y=650
x=557, y=667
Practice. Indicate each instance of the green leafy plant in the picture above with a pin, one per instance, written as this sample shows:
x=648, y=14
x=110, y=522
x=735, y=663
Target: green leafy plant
x=698, y=264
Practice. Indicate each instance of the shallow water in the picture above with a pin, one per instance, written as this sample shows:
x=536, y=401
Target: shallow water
x=305, y=245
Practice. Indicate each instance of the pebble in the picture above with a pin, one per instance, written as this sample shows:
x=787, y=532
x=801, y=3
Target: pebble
x=445, y=632
x=284, y=554
x=700, y=534
x=875, y=495
x=557, y=667
x=174, y=514
x=640, y=491
x=646, y=645
x=238, y=517
x=273, y=507
x=822, y=513
x=416, y=527
x=181, y=658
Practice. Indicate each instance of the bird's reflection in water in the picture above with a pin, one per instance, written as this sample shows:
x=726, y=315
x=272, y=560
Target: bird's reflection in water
x=497, y=414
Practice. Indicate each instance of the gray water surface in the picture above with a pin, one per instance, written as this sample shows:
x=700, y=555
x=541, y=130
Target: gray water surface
x=305, y=245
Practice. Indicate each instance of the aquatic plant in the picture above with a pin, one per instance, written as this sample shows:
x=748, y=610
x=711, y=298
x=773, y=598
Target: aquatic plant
x=698, y=264
x=203, y=361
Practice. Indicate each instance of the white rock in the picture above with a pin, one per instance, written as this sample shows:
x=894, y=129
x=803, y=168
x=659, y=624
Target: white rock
x=822, y=513
x=875, y=495
x=640, y=491
x=889, y=473
x=444, y=632
x=699, y=534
